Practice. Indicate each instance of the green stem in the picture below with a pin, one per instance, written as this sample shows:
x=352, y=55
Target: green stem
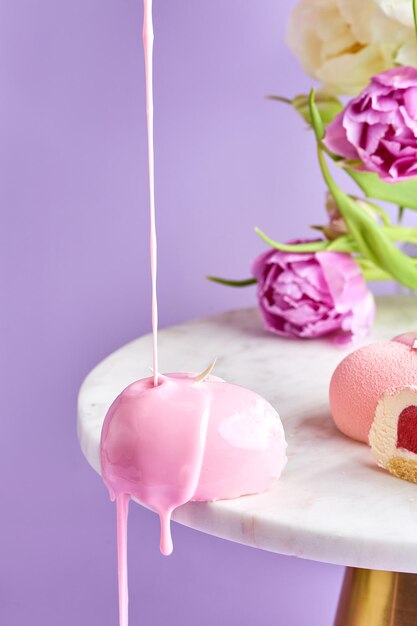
x=345, y=243
x=313, y=246
x=402, y=233
x=400, y=216
x=232, y=283
x=316, y=120
x=371, y=272
x=377, y=209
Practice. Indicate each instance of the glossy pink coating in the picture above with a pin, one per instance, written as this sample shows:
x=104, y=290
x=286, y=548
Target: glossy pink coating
x=186, y=440
x=152, y=444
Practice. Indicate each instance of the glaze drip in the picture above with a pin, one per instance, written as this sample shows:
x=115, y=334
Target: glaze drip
x=152, y=449
x=122, y=505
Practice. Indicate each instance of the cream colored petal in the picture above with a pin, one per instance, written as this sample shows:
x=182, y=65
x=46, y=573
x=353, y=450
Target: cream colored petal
x=398, y=10
x=359, y=15
x=385, y=30
x=316, y=30
x=301, y=37
x=330, y=24
x=349, y=73
x=407, y=54
x=335, y=46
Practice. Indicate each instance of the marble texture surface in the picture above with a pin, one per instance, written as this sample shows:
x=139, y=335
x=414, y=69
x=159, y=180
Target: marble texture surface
x=332, y=503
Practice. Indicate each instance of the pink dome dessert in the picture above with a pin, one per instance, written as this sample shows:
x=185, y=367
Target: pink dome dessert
x=363, y=376
x=189, y=440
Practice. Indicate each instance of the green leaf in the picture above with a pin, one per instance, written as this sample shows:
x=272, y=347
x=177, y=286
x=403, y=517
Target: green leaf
x=371, y=272
x=376, y=210
x=280, y=99
x=329, y=106
x=316, y=120
x=402, y=233
x=403, y=194
x=371, y=239
x=232, y=283
x=345, y=243
x=415, y=15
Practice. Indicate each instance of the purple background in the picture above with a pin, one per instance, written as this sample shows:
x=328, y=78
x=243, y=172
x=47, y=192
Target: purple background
x=75, y=283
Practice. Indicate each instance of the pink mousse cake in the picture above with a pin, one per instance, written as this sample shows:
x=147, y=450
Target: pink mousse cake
x=363, y=376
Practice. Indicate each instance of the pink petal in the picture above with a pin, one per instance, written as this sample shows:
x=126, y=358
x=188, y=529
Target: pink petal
x=336, y=139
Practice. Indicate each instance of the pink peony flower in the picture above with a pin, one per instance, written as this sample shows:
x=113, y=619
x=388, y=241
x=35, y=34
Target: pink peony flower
x=313, y=294
x=379, y=127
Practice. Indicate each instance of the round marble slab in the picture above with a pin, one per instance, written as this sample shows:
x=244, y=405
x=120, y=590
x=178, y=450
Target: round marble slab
x=332, y=503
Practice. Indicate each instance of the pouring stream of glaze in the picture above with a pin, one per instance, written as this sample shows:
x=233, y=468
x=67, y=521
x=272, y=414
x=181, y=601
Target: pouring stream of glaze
x=169, y=439
x=123, y=498
x=148, y=37
x=166, y=471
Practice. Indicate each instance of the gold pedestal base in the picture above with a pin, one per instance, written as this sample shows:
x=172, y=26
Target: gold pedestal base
x=375, y=598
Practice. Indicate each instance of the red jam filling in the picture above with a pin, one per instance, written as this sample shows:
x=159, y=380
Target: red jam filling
x=407, y=429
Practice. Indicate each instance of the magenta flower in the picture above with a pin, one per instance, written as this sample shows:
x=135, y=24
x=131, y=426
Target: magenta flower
x=379, y=127
x=313, y=294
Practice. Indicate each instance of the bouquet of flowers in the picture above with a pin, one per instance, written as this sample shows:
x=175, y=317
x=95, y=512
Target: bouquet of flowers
x=366, y=49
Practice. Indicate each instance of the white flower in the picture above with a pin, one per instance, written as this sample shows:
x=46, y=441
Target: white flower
x=399, y=10
x=342, y=43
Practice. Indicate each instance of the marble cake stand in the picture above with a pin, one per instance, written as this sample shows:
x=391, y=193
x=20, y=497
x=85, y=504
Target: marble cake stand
x=332, y=504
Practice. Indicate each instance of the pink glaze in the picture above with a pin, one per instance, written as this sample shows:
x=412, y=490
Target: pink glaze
x=170, y=439
x=122, y=499
x=148, y=38
x=361, y=378
x=152, y=444
x=122, y=504
x=186, y=440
